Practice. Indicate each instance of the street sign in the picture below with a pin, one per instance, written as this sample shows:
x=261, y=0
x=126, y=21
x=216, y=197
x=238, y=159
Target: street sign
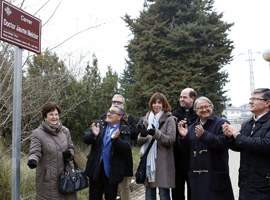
x=19, y=28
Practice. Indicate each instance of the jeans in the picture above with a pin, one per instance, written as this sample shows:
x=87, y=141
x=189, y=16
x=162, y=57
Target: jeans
x=151, y=193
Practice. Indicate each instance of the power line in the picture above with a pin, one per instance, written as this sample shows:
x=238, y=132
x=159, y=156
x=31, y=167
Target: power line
x=251, y=73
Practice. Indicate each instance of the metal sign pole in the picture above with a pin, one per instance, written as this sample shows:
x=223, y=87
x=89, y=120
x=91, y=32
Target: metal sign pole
x=16, y=124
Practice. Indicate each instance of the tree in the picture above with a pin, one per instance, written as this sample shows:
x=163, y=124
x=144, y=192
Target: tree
x=109, y=87
x=45, y=78
x=177, y=44
x=6, y=90
x=88, y=90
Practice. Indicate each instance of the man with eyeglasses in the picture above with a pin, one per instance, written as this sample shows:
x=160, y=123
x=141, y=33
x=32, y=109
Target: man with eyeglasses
x=209, y=167
x=119, y=100
x=253, y=143
x=124, y=186
x=110, y=155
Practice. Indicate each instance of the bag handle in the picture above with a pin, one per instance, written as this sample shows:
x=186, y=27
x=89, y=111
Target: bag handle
x=74, y=164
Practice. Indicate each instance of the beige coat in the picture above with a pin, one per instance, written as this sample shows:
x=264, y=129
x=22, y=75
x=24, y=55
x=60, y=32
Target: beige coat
x=46, y=148
x=165, y=172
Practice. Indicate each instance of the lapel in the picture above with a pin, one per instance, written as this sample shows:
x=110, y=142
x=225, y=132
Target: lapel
x=102, y=131
x=256, y=128
x=258, y=124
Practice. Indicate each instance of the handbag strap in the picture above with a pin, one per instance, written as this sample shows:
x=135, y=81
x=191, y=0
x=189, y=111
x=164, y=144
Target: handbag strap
x=74, y=164
x=152, y=141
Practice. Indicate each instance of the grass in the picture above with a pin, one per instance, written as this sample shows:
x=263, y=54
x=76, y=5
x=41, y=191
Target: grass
x=27, y=176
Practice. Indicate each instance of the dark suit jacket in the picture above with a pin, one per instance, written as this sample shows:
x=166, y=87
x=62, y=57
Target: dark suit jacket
x=121, y=155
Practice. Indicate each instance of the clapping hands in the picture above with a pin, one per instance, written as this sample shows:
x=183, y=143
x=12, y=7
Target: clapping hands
x=144, y=132
x=151, y=131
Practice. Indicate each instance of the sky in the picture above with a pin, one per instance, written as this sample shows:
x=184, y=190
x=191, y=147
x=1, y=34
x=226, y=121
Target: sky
x=106, y=35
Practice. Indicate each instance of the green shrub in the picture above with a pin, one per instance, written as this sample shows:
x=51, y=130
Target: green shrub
x=27, y=179
x=5, y=176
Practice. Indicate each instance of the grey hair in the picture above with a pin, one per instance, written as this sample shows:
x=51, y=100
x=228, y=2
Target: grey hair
x=122, y=111
x=119, y=95
x=204, y=99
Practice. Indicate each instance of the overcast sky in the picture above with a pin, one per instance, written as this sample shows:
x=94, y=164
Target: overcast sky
x=109, y=35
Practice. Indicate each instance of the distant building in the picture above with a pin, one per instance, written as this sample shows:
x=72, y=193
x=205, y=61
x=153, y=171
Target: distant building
x=237, y=114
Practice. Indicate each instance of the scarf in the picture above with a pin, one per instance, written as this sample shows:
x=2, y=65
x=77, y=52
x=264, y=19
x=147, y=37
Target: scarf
x=152, y=155
x=51, y=128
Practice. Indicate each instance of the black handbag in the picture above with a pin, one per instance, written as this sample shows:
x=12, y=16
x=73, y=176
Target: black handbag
x=72, y=181
x=140, y=174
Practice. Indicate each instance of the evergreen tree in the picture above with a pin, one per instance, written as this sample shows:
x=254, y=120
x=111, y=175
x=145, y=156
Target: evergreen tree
x=87, y=110
x=109, y=87
x=177, y=44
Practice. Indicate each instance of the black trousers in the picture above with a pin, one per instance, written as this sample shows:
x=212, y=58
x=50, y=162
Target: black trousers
x=178, y=193
x=102, y=186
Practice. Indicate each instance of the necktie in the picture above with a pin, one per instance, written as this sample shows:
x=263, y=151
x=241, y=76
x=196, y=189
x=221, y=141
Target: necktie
x=109, y=134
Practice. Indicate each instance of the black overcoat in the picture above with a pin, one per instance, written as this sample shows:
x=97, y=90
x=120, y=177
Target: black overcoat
x=209, y=168
x=121, y=155
x=254, y=171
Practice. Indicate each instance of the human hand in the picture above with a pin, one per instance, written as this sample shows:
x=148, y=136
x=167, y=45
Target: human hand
x=32, y=163
x=151, y=131
x=199, y=130
x=182, y=128
x=67, y=155
x=230, y=130
x=142, y=130
x=95, y=129
x=115, y=134
x=226, y=129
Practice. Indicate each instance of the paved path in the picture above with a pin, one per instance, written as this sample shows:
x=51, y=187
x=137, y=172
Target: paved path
x=138, y=192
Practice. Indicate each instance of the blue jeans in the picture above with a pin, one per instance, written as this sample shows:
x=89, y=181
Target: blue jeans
x=151, y=193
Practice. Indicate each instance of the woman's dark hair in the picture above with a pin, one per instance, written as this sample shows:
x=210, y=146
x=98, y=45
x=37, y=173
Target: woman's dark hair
x=159, y=96
x=49, y=107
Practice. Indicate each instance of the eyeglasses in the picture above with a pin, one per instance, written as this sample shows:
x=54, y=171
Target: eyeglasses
x=203, y=107
x=258, y=99
x=117, y=102
x=112, y=112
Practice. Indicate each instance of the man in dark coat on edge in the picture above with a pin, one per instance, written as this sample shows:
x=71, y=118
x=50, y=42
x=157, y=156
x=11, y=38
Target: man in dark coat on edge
x=253, y=143
x=184, y=111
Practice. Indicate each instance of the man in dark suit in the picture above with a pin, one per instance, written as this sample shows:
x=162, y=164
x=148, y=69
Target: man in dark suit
x=124, y=186
x=110, y=159
x=183, y=111
x=253, y=143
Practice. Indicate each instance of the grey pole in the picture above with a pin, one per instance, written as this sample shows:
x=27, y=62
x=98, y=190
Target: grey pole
x=16, y=123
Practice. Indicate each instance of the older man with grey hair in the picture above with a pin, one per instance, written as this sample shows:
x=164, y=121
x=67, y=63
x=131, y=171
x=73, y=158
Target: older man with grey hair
x=124, y=186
